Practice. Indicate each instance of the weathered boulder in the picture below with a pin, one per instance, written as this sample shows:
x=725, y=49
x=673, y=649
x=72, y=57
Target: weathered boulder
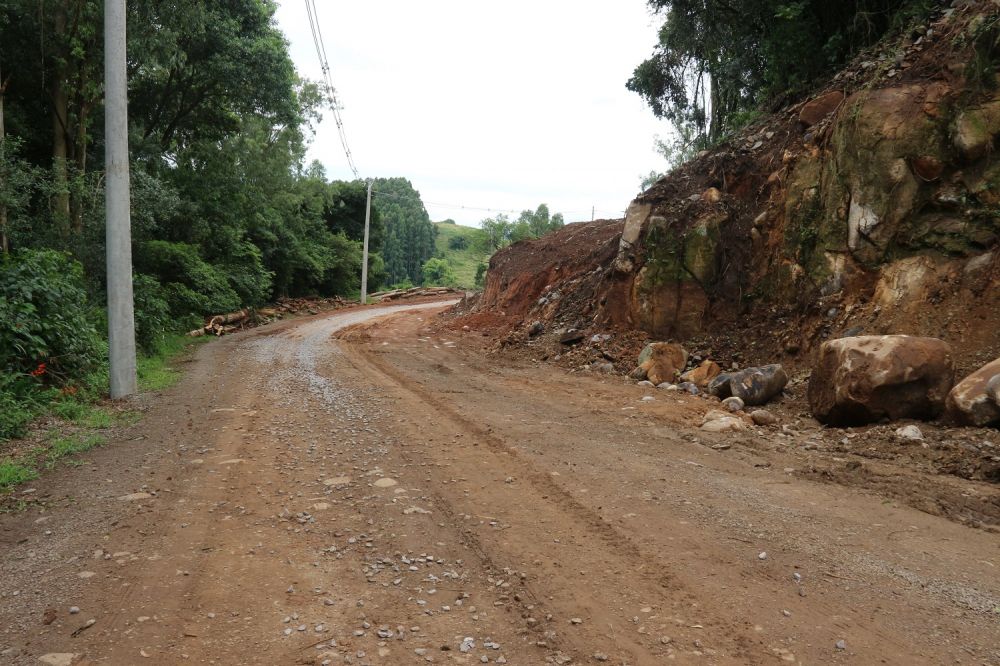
x=974, y=400
x=756, y=386
x=639, y=374
x=993, y=388
x=762, y=417
x=871, y=377
x=703, y=374
x=816, y=110
x=718, y=421
x=719, y=386
x=733, y=404
x=663, y=361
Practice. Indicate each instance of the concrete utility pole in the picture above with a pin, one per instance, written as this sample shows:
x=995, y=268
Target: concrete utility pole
x=364, y=259
x=121, y=317
x=3, y=135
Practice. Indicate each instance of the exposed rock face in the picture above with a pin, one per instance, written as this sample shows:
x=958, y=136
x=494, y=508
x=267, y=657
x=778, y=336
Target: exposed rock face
x=703, y=374
x=868, y=378
x=976, y=399
x=663, y=361
x=875, y=205
x=818, y=109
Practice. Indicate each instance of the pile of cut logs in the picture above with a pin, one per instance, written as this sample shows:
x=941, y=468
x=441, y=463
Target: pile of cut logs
x=225, y=323
x=415, y=292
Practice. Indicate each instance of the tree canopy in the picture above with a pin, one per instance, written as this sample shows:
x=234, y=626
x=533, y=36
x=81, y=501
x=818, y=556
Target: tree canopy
x=718, y=61
x=226, y=213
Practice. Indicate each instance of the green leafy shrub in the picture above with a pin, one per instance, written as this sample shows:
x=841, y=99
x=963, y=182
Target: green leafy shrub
x=46, y=324
x=458, y=242
x=19, y=396
x=438, y=272
x=191, y=285
x=152, y=312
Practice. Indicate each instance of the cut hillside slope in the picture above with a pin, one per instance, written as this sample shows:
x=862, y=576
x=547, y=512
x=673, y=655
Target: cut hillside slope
x=872, y=207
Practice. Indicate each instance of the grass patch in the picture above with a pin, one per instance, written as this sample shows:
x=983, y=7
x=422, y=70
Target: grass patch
x=14, y=473
x=156, y=372
x=80, y=410
x=464, y=260
x=55, y=448
x=60, y=447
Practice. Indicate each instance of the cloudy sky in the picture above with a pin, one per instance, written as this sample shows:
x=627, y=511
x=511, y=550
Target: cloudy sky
x=498, y=105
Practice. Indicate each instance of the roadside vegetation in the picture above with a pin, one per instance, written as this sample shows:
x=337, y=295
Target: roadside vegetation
x=226, y=212
x=720, y=63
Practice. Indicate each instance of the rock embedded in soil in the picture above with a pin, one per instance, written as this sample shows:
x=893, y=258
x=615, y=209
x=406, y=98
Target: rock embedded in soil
x=762, y=417
x=910, y=433
x=818, y=109
x=719, y=421
x=663, y=361
x=757, y=386
x=868, y=378
x=975, y=400
x=733, y=404
x=703, y=374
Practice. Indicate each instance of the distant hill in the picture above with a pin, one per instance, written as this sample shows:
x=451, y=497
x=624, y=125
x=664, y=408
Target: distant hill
x=464, y=248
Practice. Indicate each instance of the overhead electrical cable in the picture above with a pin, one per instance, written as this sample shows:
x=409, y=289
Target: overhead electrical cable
x=317, y=35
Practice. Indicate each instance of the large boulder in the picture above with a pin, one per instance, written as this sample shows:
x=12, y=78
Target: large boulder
x=872, y=377
x=720, y=387
x=756, y=386
x=976, y=399
x=818, y=109
x=663, y=361
x=703, y=374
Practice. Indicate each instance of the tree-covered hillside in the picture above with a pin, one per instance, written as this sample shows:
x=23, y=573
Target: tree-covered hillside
x=226, y=213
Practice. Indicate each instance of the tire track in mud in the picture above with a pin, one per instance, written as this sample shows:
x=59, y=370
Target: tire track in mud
x=650, y=570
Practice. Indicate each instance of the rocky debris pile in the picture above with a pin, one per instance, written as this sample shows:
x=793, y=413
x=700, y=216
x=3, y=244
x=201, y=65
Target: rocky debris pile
x=975, y=400
x=868, y=378
x=669, y=366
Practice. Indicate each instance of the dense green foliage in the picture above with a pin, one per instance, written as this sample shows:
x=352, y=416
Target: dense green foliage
x=225, y=211
x=501, y=231
x=409, y=233
x=719, y=61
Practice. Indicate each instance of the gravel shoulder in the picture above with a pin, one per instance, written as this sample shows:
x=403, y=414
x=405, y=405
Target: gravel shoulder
x=396, y=497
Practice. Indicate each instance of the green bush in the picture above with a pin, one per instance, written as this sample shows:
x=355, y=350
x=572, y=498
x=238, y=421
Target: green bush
x=191, y=286
x=438, y=272
x=46, y=324
x=458, y=243
x=152, y=312
x=19, y=396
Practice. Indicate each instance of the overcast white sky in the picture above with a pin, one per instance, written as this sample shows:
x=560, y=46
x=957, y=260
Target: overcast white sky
x=499, y=105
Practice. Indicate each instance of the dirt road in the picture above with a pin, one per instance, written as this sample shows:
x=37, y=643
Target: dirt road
x=396, y=497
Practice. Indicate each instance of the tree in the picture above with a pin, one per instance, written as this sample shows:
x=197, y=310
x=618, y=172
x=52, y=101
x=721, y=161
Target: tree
x=409, y=233
x=718, y=61
x=438, y=272
x=497, y=231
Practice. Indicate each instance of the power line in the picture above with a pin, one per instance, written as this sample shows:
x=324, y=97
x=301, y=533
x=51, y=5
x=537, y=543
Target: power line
x=389, y=195
x=317, y=35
